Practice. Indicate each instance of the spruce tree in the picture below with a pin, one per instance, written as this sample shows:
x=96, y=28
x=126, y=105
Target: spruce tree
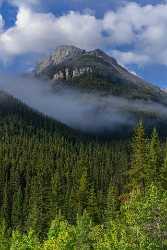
x=113, y=203
x=83, y=190
x=153, y=164
x=137, y=169
x=92, y=208
x=5, y=208
x=163, y=173
x=4, y=236
x=17, y=209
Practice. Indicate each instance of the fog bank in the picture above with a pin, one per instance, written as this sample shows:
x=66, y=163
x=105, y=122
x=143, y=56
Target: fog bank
x=85, y=111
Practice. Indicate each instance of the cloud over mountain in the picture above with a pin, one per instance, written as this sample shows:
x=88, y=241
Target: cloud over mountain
x=38, y=32
x=140, y=28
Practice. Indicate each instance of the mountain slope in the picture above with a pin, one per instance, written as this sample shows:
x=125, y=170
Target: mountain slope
x=95, y=70
x=16, y=117
x=45, y=172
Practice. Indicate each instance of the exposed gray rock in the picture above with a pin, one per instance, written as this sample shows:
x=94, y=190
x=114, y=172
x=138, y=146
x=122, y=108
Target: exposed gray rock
x=102, y=72
x=61, y=54
x=68, y=73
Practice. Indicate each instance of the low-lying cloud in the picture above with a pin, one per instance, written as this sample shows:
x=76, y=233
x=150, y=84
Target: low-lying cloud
x=89, y=112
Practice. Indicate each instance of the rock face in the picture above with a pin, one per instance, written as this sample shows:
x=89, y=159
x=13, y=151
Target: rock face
x=60, y=55
x=69, y=73
x=96, y=70
x=68, y=62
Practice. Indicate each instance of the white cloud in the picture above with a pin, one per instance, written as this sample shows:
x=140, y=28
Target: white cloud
x=38, y=32
x=142, y=29
x=20, y=3
x=1, y=24
x=23, y=2
x=127, y=58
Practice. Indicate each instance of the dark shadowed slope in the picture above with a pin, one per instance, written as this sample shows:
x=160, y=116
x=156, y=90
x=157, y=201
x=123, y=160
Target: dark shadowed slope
x=16, y=117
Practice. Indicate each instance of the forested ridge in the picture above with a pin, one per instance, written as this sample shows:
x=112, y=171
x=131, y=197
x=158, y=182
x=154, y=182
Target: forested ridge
x=62, y=190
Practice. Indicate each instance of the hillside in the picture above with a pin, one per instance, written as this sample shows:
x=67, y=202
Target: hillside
x=61, y=188
x=95, y=70
x=41, y=164
x=82, y=188
x=18, y=117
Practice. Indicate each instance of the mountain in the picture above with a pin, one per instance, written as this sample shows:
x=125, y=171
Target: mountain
x=95, y=70
x=55, y=182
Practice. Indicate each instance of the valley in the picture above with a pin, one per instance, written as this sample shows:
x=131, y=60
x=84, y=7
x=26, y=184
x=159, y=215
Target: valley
x=62, y=186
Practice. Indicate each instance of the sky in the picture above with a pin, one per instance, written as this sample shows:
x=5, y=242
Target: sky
x=134, y=32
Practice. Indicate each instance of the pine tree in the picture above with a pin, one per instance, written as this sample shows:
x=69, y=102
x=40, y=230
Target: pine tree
x=5, y=208
x=137, y=170
x=83, y=191
x=153, y=164
x=4, y=236
x=112, y=207
x=92, y=208
x=35, y=220
x=79, y=193
x=82, y=230
x=163, y=173
x=55, y=193
x=17, y=209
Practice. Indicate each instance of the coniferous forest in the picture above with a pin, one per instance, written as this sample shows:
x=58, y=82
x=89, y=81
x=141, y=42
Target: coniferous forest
x=60, y=190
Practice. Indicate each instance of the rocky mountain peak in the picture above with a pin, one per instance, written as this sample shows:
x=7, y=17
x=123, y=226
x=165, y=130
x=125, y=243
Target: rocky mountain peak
x=61, y=54
x=65, y=52
x=95, y=70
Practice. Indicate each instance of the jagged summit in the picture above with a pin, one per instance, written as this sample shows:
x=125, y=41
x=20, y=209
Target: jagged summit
x=61, y=53
x=65, y=52
x=98, y=71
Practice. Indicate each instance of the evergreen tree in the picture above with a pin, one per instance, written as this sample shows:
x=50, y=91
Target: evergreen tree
x=137, y=169
x=35, y=218
x=4, y=236
x=17, y=209
x=92, y=208
x=112, y=207
x=154, y=162
x=79, y=193
x=82, y=230
x=5, y=208
x=163, y=173
x=55, y=193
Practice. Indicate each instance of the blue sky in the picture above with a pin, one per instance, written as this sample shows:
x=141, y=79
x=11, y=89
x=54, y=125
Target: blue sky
x=134, y=32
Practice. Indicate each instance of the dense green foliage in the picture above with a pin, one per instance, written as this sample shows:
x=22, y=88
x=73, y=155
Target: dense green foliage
x=60, y=190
